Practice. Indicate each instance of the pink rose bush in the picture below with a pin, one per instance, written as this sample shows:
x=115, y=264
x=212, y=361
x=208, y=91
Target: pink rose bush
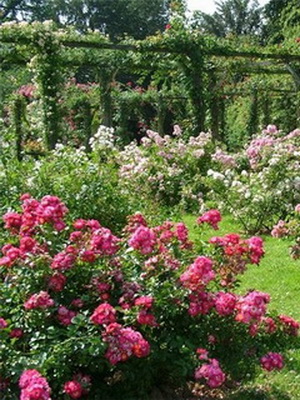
x=290, y=229
x=84, y=312
x=260, y=184
x=168, y=168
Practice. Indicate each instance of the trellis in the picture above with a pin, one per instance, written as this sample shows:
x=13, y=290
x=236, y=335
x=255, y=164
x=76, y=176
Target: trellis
x=188, y=53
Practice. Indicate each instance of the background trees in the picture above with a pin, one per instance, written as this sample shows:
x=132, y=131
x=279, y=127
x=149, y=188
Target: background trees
x=240, y=17
x=136, y=18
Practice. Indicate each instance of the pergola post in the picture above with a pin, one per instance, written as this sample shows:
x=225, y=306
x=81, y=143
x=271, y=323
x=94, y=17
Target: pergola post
x=214, y=106
x=105, y=80
x=252, y=126
x=17, y=111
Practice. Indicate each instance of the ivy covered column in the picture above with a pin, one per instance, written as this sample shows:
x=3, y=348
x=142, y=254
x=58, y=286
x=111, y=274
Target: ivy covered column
x=48, y=68
x=18, y=112
x=266, y=109
x=161, y=113
x=252, y=125
x=105, y=80
x=194, y=71
x=214, y=105
x=222, y=117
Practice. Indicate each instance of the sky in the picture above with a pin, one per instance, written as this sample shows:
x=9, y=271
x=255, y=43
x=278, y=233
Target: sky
x=208, y=6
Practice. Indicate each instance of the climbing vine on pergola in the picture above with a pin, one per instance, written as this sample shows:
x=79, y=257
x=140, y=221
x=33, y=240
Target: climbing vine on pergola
x=51, y=51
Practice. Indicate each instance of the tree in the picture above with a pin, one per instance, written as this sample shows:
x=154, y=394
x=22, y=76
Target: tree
x=239, y=17
x=280, y=15
x=117, y=18
x=9, y=9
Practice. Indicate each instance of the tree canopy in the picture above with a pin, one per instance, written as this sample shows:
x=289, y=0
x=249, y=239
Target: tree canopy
x=117, y=18
x=239, y=17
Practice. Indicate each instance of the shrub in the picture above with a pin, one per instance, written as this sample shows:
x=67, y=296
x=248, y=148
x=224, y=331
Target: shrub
x=92, y=314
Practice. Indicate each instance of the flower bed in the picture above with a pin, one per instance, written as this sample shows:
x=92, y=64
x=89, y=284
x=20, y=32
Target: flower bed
x=86, y=313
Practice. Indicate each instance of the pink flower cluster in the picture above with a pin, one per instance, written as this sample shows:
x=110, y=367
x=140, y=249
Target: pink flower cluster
x=124, y=343
x=212, y=373
x=256, y=146
x=226, y=159
x=39, y=300
x=200, y=303
x=289, y=324
x=143, y=239
x=135, y=221
x=65, y=316
x=64, y=260
x=211, y=217
x=3, y=323
x=225, y=303
x=198, y=274
x=34, y=386
x=104, y=243
x=49, y=210
x=280, y=229
x=252, y=307
x=237, y=254
x=27, y=90
x=79, y=386
x=272, y=361
x=73, y=389
x=57, y=282
x=90, y=241
x=145, y=317
x=12, y=254
x=104, y=314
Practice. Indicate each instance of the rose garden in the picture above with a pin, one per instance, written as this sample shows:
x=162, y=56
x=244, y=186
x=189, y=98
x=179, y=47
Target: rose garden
x=150, y=203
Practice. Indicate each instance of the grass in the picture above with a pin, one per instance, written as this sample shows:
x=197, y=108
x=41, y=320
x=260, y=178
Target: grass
x=279, y=276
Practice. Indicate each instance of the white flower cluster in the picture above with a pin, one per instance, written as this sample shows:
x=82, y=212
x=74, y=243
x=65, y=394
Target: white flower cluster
x=103, y=139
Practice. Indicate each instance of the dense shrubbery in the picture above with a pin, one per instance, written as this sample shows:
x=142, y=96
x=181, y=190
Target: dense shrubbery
x=88, y=184
x=258, y=186
x=92, y=312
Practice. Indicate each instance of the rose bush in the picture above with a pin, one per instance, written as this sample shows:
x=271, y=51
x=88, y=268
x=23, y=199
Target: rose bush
x=171, y=169
x=290, y=229
x=87, y=314
x=262, y=184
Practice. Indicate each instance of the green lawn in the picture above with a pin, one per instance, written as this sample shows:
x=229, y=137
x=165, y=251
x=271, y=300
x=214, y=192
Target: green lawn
x=279, y=276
